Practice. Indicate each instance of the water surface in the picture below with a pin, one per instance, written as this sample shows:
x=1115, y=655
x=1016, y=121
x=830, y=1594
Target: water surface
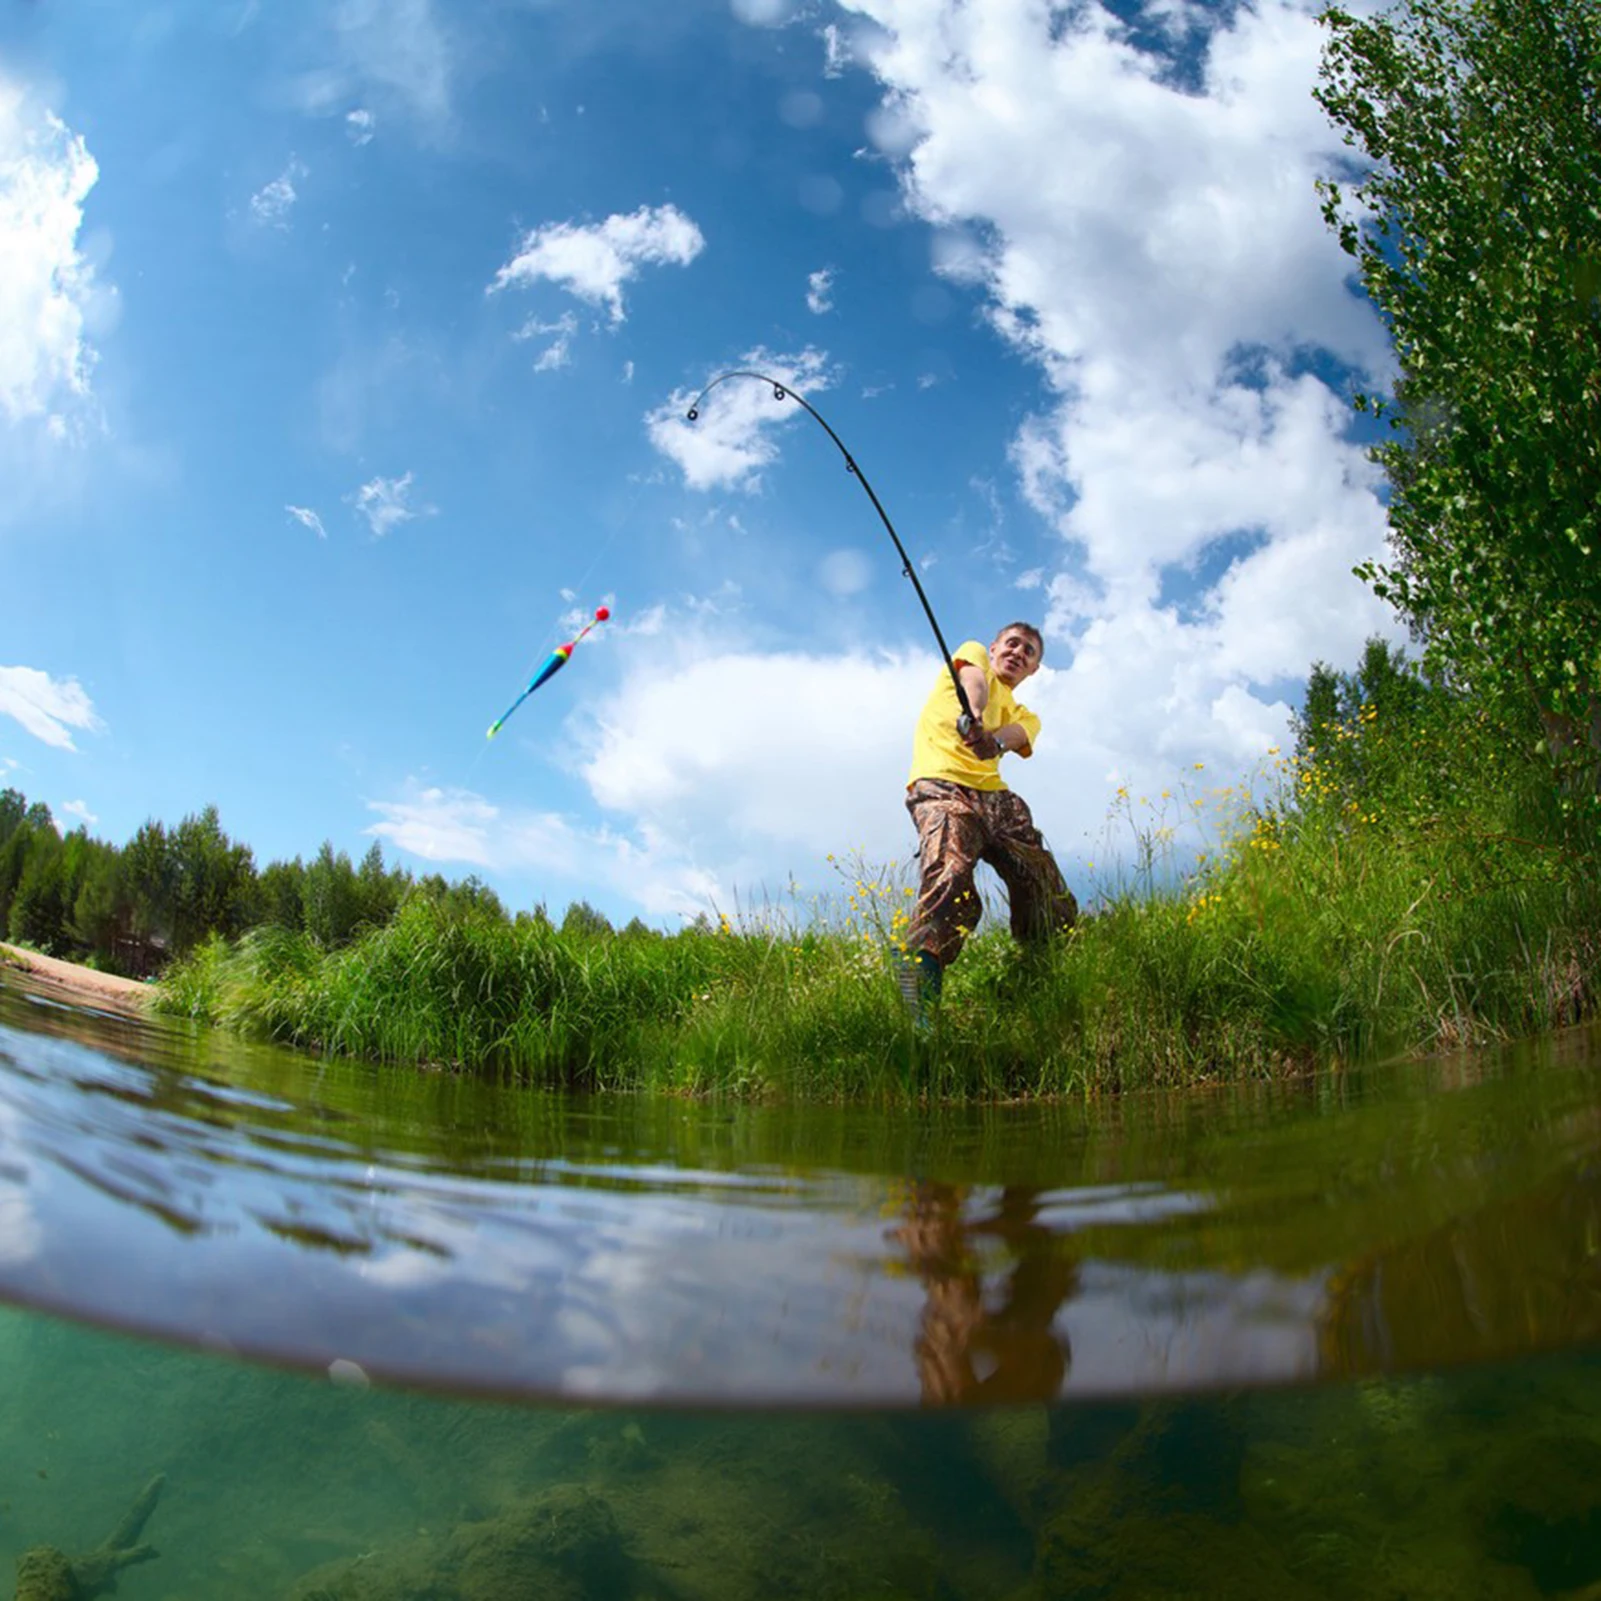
x=441, y=1232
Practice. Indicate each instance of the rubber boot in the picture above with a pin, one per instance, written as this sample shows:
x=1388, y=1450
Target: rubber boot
x=919, y=977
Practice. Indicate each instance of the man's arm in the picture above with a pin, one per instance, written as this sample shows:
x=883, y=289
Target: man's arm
x=989, y=744
x=977, y=687
x=982, y=744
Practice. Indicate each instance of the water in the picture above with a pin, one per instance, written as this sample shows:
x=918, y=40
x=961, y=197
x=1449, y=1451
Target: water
x=1333, y=1339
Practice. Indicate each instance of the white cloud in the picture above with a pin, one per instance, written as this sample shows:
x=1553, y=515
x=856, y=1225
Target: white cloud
x=307, y=518
x=1170, y=279
x=764, y=13
x=729, y=442
x=558, y=353
x=76, y=808
x=47, y=287
x=384, y=503
x=729, y=795
x=48, y=708
x=1138, y=711
x=272, y=203
x=820, y=291
x=398, y=53
x=438, y=825
x=594, y=261
x=459, y=827
x=836, y=50
x=21, y=1236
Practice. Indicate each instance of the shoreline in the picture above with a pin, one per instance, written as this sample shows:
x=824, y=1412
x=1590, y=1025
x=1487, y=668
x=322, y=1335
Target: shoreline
x=75, y=983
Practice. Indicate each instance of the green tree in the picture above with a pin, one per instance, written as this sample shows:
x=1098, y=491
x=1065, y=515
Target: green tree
x=102, y=913
x=1476, y=224
x=14, y=853
x=13, y=808
x=332, y=897
x=583, y=921
x=38, y=914
x=472, y=897
x=282, y=887
x=1322, y=711
x=379, y=891
x=149, y=880
x=213, y=881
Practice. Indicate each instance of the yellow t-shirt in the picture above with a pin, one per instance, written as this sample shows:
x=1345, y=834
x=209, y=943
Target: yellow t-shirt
x=937, y=749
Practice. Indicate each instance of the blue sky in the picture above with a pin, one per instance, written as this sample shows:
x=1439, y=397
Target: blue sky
x=344, y=348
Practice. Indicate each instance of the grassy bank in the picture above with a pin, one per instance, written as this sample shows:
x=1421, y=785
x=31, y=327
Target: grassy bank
x=1402, y=883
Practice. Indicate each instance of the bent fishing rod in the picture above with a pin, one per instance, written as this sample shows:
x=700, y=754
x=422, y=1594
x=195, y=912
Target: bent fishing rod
x=784, y=392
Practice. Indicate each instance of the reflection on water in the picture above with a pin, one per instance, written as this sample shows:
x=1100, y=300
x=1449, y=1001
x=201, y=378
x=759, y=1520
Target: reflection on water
x=974, y=1346
x=446, y=1233
x=1482, y=1483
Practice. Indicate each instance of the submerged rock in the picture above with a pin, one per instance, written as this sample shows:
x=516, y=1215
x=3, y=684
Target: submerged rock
x=561, y=1545
x=1542, y=1512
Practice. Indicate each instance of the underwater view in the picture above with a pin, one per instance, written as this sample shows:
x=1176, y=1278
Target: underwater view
x=281, y=1327
x=1477, y=1482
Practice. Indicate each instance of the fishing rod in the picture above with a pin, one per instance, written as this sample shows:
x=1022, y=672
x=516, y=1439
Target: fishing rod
x=784, y=392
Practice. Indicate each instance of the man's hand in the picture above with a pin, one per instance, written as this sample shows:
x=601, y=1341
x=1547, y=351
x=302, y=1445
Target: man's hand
x=983, y=744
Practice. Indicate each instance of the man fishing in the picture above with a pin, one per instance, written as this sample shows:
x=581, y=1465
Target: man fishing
x=965, y=814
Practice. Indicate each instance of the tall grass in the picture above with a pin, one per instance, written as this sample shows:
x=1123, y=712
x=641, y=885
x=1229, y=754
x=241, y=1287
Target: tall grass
x=1396, y=890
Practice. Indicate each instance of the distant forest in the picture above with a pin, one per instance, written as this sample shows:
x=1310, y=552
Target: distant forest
x=133, y=909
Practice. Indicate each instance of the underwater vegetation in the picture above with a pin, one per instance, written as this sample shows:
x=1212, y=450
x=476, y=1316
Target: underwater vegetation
x=1482, y=1483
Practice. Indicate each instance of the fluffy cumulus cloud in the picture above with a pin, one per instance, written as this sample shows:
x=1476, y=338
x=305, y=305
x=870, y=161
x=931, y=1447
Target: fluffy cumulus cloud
x=49, y=708
x=1169, y=278
x=595, y=260
x=693, y=807
x=47, y=288
x=758, y=773
x=820, y=291
x=734, y=433
x=1141, y=224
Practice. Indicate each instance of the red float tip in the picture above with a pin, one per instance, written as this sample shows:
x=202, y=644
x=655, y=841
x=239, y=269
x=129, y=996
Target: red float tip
x=601, y=614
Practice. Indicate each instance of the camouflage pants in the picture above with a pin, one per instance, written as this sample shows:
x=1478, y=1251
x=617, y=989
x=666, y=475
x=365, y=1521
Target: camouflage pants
x=957, y=828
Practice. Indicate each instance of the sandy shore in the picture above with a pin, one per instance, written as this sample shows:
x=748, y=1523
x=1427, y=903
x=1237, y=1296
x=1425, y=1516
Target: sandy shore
x=74, y=983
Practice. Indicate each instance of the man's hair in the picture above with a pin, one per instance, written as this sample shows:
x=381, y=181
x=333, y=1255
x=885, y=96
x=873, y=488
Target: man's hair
x=1028, y=628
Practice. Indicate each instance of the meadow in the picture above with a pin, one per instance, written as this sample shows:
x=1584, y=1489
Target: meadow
x=1405, y=878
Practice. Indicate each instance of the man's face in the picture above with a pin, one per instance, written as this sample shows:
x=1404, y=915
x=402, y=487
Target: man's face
x=1015, y=655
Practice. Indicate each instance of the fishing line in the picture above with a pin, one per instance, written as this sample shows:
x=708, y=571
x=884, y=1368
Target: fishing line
x=782, y=391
